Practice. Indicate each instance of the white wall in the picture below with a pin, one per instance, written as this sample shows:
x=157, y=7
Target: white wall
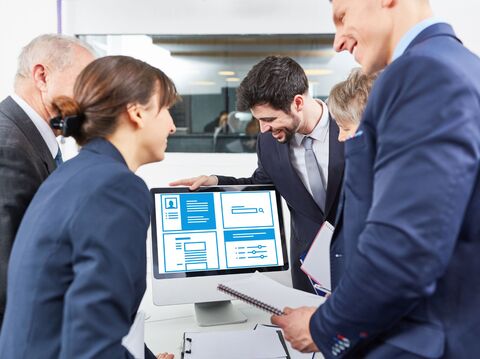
x=197, y=16
x=21, y=21
x=463, y=15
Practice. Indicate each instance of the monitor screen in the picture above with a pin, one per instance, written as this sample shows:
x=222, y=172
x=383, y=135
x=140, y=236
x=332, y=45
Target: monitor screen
x=217, y=230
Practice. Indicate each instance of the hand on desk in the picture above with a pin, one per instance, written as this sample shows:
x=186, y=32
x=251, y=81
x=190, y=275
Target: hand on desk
x=296, y=328
x=196, y=182
x=165, y=356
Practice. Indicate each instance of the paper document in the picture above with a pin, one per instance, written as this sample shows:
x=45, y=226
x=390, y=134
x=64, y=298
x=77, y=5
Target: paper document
x=263, y=292
x=294, y=354
x=135, y=339
x=317, y=261
x=239, y=344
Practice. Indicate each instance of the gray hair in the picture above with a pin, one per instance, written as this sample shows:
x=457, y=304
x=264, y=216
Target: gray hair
x=348, y=99
x=54, y=50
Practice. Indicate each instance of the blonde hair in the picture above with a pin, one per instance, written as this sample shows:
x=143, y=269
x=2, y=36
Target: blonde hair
x=54, y=50
x=348, y=99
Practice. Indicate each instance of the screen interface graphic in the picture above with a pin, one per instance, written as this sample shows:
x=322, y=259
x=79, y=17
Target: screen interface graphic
x=215, y=231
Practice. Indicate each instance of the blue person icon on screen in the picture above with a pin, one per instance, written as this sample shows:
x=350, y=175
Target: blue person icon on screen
x=170, y=203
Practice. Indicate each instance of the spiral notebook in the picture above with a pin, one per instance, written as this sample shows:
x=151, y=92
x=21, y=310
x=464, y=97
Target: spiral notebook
x=267, y=294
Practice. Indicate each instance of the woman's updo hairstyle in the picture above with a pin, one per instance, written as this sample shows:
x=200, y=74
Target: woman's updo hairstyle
x=102, y=92
x=347, y=99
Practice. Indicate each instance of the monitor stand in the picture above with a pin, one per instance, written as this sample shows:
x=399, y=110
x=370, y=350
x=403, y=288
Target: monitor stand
x=218, y=313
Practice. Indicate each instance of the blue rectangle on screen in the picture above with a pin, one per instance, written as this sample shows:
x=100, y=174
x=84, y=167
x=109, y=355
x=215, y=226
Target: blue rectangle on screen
x=249, y=235
x=197, y=211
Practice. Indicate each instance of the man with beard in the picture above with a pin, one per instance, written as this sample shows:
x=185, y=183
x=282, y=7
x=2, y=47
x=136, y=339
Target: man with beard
x=298, y=152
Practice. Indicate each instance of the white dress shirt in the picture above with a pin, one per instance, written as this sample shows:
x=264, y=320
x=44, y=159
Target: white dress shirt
x=42, y=127
x=320, y=148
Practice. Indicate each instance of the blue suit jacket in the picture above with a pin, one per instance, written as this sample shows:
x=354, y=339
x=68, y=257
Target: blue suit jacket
x=77, y=272
x=411, y=210
x=274, y=166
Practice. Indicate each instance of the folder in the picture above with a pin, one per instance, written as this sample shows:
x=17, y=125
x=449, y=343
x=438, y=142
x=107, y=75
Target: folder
x=294, y=354
x=239, y=344
x=316, y=264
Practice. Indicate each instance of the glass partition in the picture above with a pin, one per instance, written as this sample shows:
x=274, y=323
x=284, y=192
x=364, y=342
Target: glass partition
x=207, y=69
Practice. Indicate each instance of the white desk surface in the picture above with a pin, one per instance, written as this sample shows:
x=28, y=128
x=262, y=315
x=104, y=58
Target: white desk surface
x=164, y=326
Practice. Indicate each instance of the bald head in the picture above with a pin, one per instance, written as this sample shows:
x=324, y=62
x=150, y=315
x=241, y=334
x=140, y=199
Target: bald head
x=48, y=67
x=53, y=50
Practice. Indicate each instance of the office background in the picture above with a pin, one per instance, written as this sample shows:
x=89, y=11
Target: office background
x=22, y=20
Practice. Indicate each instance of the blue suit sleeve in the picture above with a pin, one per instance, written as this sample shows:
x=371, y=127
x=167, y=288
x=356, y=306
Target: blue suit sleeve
x=259, y=176
x=109, y=263
x=424, y=171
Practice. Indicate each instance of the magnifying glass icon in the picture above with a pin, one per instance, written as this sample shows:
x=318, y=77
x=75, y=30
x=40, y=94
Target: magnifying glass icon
x=260, y=210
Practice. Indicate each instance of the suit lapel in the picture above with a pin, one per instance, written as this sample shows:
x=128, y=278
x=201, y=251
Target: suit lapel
x=15, y=113
x=336, y=160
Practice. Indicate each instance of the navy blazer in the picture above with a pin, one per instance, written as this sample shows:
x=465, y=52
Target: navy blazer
x=77, y=272
x=410, y=213
x=274, y=166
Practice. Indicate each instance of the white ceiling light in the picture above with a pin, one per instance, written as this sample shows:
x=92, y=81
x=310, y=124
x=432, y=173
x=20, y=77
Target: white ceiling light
x=318, y=72
x=226, y=73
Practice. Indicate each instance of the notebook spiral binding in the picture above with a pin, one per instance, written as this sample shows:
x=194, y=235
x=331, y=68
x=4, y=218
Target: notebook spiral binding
x=250, y=300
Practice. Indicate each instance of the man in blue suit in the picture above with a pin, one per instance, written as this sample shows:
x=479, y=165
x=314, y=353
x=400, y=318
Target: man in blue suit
x=411, y=206
x=276, y=92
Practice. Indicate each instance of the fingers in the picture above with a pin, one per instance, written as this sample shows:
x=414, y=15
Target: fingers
x=183, y=182
x=199, y=181
x=275, y=319
x=287, y=310
x=195, y=182
x=165, y=356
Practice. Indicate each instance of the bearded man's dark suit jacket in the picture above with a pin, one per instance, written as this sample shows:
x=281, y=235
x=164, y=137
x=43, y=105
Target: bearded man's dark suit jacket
x=25, y=162
x=411, y=213
x=274, y=166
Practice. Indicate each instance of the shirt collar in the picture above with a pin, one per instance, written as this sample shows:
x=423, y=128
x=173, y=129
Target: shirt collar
x=320, y=131
x=411, y=34
x=42, y=127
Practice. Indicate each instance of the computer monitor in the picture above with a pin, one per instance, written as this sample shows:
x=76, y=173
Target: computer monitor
x=204, y=237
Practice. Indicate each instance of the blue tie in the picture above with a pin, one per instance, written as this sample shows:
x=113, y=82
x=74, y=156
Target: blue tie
x=58, y=157
x=314, y=173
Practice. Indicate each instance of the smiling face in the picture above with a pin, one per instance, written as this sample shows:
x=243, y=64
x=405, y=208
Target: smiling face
x=158, y=125
x=364, y=29
x=282, y=125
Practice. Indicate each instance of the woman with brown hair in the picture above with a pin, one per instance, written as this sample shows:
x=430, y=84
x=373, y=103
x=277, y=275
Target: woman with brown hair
x=77, y=272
